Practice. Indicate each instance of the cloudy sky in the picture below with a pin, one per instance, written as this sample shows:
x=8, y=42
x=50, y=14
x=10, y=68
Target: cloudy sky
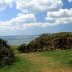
x=25, y=17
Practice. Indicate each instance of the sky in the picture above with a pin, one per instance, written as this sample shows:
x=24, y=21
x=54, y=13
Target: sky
x=31, y=17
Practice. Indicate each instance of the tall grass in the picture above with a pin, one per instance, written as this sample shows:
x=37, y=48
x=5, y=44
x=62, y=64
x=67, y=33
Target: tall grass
x=63, y=57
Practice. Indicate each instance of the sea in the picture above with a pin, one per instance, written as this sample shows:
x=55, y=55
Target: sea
x=18, y=40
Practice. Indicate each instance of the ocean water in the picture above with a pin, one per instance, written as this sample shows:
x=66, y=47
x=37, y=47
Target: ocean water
x=17, y=40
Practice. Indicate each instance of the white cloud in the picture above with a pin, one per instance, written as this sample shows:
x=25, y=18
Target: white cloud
x=32, y=5
x=69, y=0
x=19, y=22
x=5, y=3
x=25, y=21
x=38, y=5
x=25, y=25
x=24, y=18
x=63, y=16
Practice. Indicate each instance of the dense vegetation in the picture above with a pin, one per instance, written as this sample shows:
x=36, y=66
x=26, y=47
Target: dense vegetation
x=46, y=61
x=46, y=42
x=6, y=53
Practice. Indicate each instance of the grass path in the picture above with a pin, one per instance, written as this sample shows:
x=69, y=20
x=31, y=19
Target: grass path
x=45, y=64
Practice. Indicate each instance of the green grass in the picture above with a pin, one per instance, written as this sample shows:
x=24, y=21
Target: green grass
x=19, y=66
x=61, y=57
x=47, y=61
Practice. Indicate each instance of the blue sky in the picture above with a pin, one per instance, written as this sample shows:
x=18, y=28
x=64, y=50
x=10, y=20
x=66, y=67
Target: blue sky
x=25, y=17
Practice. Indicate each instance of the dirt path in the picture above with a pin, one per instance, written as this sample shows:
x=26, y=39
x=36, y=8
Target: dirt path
x=44, y=64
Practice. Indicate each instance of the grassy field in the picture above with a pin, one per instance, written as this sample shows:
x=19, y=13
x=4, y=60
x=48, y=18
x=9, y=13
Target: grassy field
x=49, y=61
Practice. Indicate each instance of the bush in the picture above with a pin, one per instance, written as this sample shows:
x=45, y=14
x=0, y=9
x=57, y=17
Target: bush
x=63, y=42
x=6, y=53
x=47, y=42
x=34, y=46
x=22, y=48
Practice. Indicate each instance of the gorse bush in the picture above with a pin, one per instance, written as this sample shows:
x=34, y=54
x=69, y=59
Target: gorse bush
x=46, y=42
x=63, y=42
x=34, y=46
x=22, y=48
x=6, y=53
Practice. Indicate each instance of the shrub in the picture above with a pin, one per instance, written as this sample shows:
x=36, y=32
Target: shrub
x=34, y=46
x=63, y=42
x=47, y=42
x=22, y=48
x=6, y=53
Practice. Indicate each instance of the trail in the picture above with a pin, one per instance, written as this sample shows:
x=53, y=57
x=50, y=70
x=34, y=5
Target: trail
x=44, y=64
